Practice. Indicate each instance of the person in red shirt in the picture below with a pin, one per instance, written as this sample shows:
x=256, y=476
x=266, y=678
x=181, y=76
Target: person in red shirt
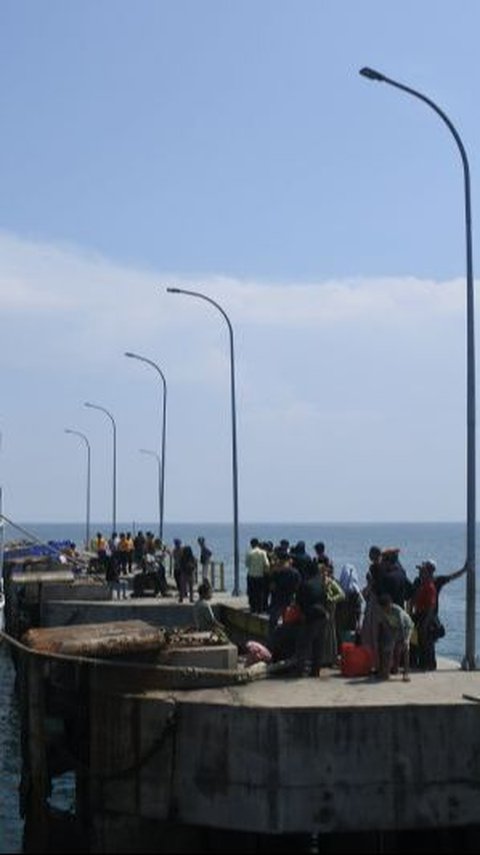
x=424, y=611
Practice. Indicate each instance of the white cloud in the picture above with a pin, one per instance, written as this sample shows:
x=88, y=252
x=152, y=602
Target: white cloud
x=328, y=375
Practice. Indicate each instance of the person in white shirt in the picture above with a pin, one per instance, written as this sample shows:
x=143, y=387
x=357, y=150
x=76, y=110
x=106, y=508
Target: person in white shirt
x=258, y=565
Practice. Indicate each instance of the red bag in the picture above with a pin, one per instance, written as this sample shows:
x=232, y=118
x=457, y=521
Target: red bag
x=293, y=614
x=356, y=660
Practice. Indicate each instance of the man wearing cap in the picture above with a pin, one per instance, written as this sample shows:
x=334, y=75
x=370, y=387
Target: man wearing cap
x=438, y=581
x=424, y=610
x=425, y=592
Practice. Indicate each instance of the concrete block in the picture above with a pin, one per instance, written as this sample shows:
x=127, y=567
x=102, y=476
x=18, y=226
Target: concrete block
x=221, y=656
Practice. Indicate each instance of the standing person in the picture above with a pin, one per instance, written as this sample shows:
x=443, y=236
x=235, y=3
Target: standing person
x=321, y=556
x=284, y=582
x=122, y=552
x=424, y=611
x=438, y=581
x=312, y=599
x=334, y=595
x=348, y=614
x=139, y=548
x=188, y=565
x=370, y=624
x=301, y=560
x=101, y=547
x=114, y=582
x=130, y=550
x=257, y=564
x=159, y=558
x=392, y=578
x=113, y=547
x=150, y=543
x=205, y=556
x=176, y=558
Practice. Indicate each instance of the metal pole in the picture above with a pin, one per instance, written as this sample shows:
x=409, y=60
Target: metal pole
x=87, y=525
x=157, y=456
x=236, y=554
x=164, y=431
x=114, y=479
x=469, y=661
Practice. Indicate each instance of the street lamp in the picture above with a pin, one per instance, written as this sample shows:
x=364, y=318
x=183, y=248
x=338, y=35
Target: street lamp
x=159, y=462
x=469, y=660
x=114, y=478
x=85, y=440
x=236, y=556
x=164, y=432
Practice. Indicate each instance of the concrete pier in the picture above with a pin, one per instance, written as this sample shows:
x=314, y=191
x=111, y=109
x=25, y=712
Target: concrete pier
x=157, y=768
x=263, y=764
x=288, y=756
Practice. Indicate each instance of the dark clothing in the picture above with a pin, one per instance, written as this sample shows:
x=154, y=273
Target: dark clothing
x=302, y=562
x=205, y=554
x=438, y=581
x=312, y=599
x=112, y=573
x=284, y=641
x=284, y=583
x=373, y=576
x=392, y=579
x=424, y=655
x=187, y=566
x=139, y=547
x=146, y=580
x=347, y=614
x=310, y=645
x=256, y=592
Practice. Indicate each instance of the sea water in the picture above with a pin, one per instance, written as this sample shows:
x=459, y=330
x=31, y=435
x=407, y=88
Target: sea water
x=345, y=543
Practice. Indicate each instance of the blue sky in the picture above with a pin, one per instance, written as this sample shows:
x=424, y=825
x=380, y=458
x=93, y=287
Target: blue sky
x=232, y=147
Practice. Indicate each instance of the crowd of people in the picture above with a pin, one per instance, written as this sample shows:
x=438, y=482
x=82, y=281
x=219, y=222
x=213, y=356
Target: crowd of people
x=311, y=613
x=144, y=557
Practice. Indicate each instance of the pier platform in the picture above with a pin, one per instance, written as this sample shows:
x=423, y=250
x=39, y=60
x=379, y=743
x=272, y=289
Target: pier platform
x=159, y=768
x=284, y=755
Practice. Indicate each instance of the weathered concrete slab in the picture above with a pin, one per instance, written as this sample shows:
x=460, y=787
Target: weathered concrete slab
x=101, y=640
x=218, y=656
x=160, y=611
x=165, y=613
x=79, y=589
x=296, y=755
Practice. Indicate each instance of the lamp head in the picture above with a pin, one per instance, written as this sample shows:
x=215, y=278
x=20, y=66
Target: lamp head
x=128, y=353
x=174, y=290
x=88, y=404
x=371, y=74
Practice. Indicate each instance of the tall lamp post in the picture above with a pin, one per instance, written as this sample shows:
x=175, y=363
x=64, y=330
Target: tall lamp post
x=236, y=555
x=159, y=462
x=164, y=432
x=85, y=440
x=114, y=476
x=469, y=660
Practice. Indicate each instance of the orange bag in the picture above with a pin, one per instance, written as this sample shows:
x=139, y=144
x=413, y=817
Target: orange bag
x=293, y=614
x=356, y=660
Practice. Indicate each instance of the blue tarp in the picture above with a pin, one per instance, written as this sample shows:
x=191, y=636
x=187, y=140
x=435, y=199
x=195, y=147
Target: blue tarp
x=36, y=550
